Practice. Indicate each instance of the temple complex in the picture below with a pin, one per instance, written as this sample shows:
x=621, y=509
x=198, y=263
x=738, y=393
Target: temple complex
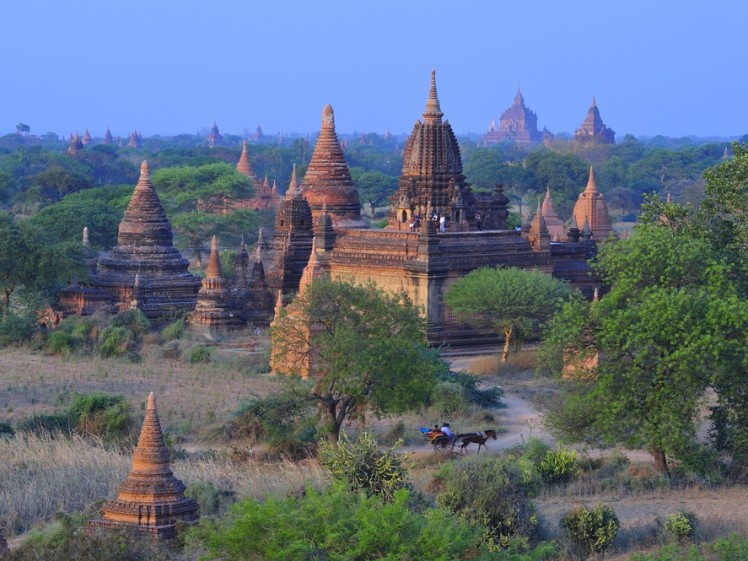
x=412, y=255
x=328, y=179
x=215, y=138
x=145, y=248
x=517, y=124
x=151, y=500
x=214, y=307
x=593, y=129
x=592, y=209
x=553, y=221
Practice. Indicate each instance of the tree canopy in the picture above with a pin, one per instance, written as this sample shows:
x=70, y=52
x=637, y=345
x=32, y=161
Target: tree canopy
x=369, y=348
x=513, y=301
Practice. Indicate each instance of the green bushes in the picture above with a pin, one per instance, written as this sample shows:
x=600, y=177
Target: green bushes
x=469, y=389
x=75, y=334
x=590, y=531
x=16, y=328
x=200, y=354
x=732, y=548
x=558, y=466
x=680, y=526
x=100, y=415
x=115, y=341
x=335, y=524
x=490, y=492
x=361, y=466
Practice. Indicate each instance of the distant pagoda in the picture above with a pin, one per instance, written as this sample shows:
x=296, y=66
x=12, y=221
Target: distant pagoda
x=328, y=179
x=517, y=124
x=593, y=129
x=151, y=500
x=591, y=211
x=215, y=138
x=552, y=220
x=213, y=308
x=264, y=198
x=145, y=248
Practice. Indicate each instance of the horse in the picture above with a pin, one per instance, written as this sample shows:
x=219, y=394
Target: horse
x=478, y=438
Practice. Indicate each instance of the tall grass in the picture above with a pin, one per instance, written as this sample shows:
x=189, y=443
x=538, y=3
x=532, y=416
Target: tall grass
x=44, y=474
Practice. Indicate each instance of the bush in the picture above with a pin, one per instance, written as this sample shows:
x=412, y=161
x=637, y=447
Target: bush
x=47, y=424
x=559, y=465
x=732, y=548
x=680, y=526
x=361, y=466
x=285, y=421
x=100, y=415
x=174, y=330
x=73, y=334
x=449, y=399
x=115, y=341
x=489, y=492
x=200, y=354
x=470, y=388
x=590, y=531
x=16, y=329
x=335, y=524
x=134, y=320
x=60, y=343
x=211, y=499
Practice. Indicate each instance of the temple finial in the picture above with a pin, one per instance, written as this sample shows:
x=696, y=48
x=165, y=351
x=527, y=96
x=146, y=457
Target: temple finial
x=86, y=241
x=151, y=404
x=328, y=117
x=292, y=187
x=145, y=170
x=591, y=186
x=433, y=112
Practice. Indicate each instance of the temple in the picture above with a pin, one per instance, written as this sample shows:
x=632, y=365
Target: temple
x=593, y=129
x=214, y=307
x=328, y=179
x=517, y=124
x=145, y=248
x=264, y=198
x=418, y=254
x=75, y=145
x=592, y=210
x=553, y=221
x=86, y=138
x=135, y=140
x=108, y=139
x=151, y=500
x=215, y=138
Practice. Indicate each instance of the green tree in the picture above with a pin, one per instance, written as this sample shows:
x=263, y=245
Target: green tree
x=513, y=301
x=55, y=182
x=369, y=347
x=23, y=128
x=374, y=187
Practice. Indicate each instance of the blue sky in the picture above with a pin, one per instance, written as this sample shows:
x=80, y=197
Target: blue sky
x=171, y=66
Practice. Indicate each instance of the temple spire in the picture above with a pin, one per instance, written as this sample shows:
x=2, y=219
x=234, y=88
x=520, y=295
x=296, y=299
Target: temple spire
x=214, y=263
x=433, y=113
x=594, y=103
x=244, y=166
x=293, y=186
x=591, y=186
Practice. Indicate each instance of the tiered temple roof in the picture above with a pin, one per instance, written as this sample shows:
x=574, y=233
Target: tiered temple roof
x=592, y=209
x=328, y=179
x=151, y=500
x=432, y=174
x=516, y=124
x=145, y=247
x=214, y=307
x=552, y=220
x=593, y=128
x=538, y=235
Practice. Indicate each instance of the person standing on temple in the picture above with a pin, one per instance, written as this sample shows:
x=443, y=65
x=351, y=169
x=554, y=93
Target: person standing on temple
x=478, y=221
x=442, y=223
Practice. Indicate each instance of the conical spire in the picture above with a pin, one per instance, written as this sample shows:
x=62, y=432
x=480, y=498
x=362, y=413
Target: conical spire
x=244, y=166
x=518, y=99
x=214, y=263
x=594, y=103
x=151, y=500
x=145, y=222
x=591, y=186
x=313, y=269
x=293, y=185
x=433, y=113
x=258, y=254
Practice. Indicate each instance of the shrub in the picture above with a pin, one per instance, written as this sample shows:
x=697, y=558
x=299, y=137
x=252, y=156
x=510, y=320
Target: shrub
x=174, y=330
x=211, y=499
x=488, y=491
x=335, y=524
x=362, y=466
x=590, y=531
x=559, y=465
x=16, y=329
x=46, y=424
x=60, y=343
x=134, y=320
x=471, y=390
x=115, y=341
x=200, y=354
x=100, y=415
x=448, y=399
x=284, y=421
x=680, y=526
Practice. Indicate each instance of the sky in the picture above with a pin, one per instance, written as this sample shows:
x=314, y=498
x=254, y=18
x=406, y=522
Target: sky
x=167, y=67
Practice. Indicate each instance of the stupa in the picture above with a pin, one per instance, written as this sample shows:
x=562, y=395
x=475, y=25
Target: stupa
x=244, y=166
x=538, y=235
x=328, y=179
x=75, y=145
x=213, y=308
x=264, y=198
x=215, y=138
x=134, y=140
x=258, y=308
x=552, y=220
x=86, y=138
x=108, y=139
x=592, y=209
x=593, y=129
x=517, y=124
x=151, y=500
x=145, y=247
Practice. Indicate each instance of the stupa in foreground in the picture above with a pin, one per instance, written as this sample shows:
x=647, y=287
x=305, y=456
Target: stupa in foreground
x=151, y=501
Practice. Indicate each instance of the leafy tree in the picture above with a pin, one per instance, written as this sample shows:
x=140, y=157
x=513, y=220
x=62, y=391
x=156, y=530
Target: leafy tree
x=724, y=211
x=56, y=182
x=374, y=187
x=671, y=327
x=23, y=128
x=512, y=301
x=368, y=346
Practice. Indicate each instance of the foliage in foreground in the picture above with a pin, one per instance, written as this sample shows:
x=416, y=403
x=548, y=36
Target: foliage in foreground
x=732, y=548
x=362, y=466
x=335, y=524
x=591, y=531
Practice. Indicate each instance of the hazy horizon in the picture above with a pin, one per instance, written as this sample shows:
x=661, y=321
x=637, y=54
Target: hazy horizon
x=174, y=67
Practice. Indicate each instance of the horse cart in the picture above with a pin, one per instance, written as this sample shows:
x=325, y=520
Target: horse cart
x=441, y=441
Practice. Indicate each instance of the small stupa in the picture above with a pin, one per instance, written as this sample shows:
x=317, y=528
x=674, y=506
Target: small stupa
x=592, y=209
x=86, y=138
x=151, y=501
x=213, y=307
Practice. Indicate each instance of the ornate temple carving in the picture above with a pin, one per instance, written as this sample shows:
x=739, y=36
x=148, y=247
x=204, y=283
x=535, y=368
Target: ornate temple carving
x=593, y=129
x=145, y=247
x=592, y=209
x=517, y=124
x=151, y=500
x=328, y=179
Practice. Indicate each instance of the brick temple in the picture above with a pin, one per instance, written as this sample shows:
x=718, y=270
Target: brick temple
x=265, y=197
x=517, y=124
x=592, y=209
x=593, y=129
x=214, y=307
x=151, y=500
